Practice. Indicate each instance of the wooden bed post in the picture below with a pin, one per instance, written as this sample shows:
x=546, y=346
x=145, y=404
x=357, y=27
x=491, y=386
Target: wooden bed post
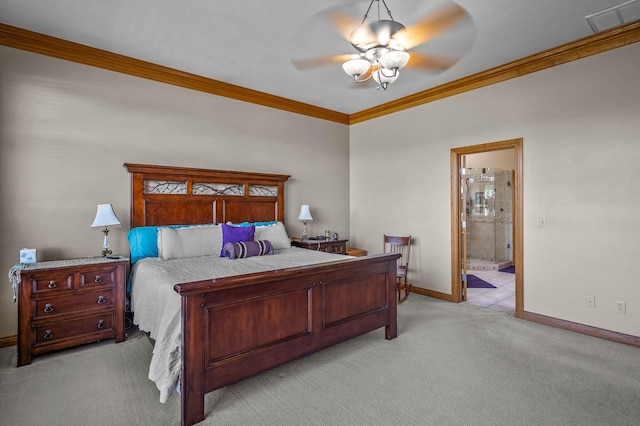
x=391, y=330
x=192, y=377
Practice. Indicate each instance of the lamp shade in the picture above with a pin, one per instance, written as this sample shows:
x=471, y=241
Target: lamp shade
x=383, y=76
x=395, y=60
x=356, y=67
x=305, y=213
x=105, y=216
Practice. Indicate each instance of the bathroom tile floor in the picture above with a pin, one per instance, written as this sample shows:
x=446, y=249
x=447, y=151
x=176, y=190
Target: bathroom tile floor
x=501, y=298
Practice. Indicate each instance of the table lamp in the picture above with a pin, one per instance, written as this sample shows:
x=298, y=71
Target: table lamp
x=305, y=216
x=105, y=217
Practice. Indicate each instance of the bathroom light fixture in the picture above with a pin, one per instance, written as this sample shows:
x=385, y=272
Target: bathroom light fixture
x=305, y=216
x=105, y=217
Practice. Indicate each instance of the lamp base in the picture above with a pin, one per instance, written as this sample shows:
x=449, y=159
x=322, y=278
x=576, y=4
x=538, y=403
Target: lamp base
x=105, y=244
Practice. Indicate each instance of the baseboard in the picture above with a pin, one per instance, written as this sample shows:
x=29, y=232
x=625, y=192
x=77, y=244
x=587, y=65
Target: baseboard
x=601, y=333
x=8, y=341
x=431, y=293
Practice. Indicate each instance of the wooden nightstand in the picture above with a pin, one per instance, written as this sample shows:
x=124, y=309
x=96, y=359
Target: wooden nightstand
x=330, y=246
x=351, y=251
x=65, y=303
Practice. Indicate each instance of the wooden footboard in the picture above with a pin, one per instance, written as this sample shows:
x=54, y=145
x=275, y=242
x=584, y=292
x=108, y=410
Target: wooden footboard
x=237, y=327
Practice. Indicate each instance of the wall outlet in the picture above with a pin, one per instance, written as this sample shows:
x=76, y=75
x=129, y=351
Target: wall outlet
x=591, y=301
x=621, y=307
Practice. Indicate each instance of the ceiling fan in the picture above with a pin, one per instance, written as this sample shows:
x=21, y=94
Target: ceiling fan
x=383, y=45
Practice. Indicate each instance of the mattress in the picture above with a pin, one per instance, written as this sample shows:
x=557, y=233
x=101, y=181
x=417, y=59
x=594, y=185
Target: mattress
x=156, y=305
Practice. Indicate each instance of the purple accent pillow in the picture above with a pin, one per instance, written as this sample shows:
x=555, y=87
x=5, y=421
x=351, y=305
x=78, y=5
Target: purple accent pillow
x=234, y=234
x=242, y=249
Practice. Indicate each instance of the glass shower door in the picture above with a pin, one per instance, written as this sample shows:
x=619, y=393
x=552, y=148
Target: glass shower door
x=489, y=225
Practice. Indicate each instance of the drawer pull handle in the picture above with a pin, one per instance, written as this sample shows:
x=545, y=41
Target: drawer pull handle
x=101, y=324
x=48, y=335
x=97, y=279
x=52, y=284
x=101, y=300
x=48, y=308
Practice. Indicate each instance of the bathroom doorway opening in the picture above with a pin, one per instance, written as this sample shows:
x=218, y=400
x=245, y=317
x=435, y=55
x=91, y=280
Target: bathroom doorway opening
x=479, y=210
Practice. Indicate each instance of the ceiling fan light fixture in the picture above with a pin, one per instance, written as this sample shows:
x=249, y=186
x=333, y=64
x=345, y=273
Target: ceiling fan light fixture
x=363, y=38
x=394, y=60
x=382, y=44
x=356, y=67
x=384, y=77
x=380, y=33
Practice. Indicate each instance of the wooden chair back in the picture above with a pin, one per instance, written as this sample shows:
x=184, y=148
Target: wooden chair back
x=401, y=245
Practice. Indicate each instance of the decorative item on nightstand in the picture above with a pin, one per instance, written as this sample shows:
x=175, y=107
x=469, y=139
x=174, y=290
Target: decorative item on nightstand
x=305, y=216
x=105, y=217
x=28, y=255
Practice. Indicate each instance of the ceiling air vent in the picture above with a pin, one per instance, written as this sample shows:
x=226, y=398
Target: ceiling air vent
x=615, y=16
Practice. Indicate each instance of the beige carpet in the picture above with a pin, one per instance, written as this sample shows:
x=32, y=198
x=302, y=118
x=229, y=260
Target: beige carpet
x=451, y=365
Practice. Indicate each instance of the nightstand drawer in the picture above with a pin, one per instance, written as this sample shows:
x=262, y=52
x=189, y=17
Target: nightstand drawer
x=47, y=282
x=329, y=246
x=50, y=307
x=98, y=277
x=54, y=332
x=338, y=248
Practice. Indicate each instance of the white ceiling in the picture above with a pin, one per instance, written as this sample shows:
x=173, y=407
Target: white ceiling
x=251, y=43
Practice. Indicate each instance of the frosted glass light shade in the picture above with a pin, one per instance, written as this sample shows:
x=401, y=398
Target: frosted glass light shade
x=385, y=76
x=105, y=216
x=395, y=59
x=356, y=67
x=305, y=213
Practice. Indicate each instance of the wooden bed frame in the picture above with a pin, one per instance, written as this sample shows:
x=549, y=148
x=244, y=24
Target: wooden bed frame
x=237, y=327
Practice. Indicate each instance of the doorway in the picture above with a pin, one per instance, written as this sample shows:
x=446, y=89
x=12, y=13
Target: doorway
x=459, y=219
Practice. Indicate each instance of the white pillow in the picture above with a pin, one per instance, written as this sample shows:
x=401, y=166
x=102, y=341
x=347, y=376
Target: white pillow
x=192, y=241
x=275, y=233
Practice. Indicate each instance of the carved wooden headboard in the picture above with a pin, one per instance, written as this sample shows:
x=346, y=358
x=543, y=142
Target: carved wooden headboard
x=164, y=195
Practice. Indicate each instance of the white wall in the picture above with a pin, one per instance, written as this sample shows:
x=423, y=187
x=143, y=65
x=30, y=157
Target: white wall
x=504, y=159
x=581, y=128
x=66, y=130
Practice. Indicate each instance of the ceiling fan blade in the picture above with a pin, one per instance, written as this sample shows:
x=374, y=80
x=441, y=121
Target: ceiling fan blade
x=431, y=62
x=434, y=24
x=310, y=63
x=345, y=24
x=367, y=74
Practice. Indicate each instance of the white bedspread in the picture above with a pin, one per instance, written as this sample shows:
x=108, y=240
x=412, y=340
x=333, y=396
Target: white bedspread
x=156, y=305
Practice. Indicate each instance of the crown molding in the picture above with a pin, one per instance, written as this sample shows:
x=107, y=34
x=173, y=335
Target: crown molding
x=62, y=49
x=587, y=46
